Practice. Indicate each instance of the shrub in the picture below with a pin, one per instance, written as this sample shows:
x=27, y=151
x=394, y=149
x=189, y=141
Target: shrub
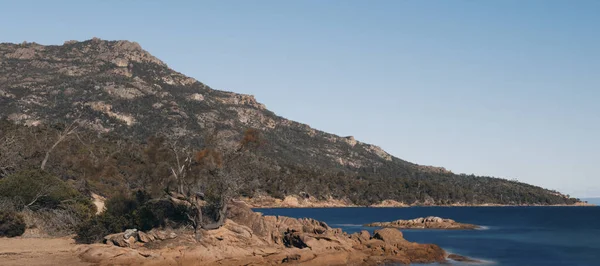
x=11, y=224
x=53, y=222
x=161, y=213
x=51, y=204
x=137, y=211
x=121, y=205
x=120, y=214
x=7, y=204
x=144, y=213
x=37, y=189
x=94, y=229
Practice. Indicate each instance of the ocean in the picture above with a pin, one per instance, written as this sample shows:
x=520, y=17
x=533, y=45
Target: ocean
x=512, y=236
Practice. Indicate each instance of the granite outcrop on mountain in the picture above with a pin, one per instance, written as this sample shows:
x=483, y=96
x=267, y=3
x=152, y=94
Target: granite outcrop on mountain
x=118, y=89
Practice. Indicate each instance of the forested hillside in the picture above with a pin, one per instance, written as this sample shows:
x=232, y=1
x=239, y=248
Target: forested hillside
x=109, y=117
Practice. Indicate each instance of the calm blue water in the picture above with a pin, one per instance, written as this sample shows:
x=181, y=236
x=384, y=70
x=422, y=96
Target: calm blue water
x=514, y=236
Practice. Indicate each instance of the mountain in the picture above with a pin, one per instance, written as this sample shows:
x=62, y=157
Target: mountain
x=116, y=88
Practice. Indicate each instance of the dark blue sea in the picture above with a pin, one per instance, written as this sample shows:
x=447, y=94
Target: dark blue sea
x=513, y=236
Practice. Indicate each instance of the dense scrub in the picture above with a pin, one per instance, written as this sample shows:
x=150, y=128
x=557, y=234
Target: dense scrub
x=111, y=165
x=126, y=211
x=128, y=101
x=45, y=201
x=11, y=224
x=37, y=189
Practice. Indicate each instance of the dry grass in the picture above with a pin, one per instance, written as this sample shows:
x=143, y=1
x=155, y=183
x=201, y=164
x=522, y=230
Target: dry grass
x=55, y=223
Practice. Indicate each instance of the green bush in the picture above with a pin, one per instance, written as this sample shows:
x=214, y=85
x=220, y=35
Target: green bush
x=161, y=213
x=121, y=205
x=119, y=215
x=137, y=211
x=94, y=229
x=11, y=224
x=56, y=207
x=37, y=189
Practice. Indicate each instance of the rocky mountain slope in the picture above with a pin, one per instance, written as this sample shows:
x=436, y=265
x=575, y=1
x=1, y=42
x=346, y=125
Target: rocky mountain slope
x=116, y=87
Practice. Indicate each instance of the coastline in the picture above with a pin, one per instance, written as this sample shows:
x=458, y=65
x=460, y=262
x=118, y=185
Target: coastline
x=292, y=202
x=246, y=237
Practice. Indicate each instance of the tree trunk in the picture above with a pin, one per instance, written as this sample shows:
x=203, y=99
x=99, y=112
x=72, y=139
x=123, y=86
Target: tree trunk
x=46, y=159
x=220, y=221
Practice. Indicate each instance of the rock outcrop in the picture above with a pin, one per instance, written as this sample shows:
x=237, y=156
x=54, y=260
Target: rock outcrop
x=302, y=200
x=250, y=238
x=389, y=204
x=464, y=259
x=132, y=238
x=430, y=222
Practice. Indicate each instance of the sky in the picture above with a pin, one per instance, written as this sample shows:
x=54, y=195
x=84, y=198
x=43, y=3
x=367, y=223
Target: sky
x=503, y=88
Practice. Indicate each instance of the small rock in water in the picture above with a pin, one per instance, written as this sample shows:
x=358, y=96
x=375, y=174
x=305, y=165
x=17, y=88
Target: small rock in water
x=431, y=222
x=460, y=258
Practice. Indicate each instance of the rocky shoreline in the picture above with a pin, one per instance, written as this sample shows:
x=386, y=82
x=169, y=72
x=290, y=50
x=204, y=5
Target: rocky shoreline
x=310, y=202
x=249, y=238
x=430, y=222
x=246, y=238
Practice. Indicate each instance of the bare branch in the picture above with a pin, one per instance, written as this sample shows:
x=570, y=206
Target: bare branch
x=72, y=128
x=213, y=169
x=43, y=192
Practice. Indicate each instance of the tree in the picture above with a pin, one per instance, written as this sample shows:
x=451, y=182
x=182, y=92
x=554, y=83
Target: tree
x=182, y=165
x=70, y=129
x=209, y=180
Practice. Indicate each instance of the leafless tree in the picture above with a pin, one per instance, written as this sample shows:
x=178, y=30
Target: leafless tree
x=181, y=166
x=69, y=130
x=209, y=178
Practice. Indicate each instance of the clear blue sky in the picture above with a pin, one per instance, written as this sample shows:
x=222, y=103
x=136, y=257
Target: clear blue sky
x=502, y=88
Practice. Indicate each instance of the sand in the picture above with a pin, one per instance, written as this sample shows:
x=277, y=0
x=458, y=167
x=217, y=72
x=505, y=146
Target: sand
x=39, y=251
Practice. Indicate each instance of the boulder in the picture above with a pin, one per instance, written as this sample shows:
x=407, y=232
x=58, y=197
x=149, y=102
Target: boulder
x=241, y=214
x=241, y=230
x=313, y=226
x=145, y=238
x=131, y=241
x=389, y=235
x=130, y=233
x=361, y=237
x=395, y=244
x=423, y=253
x=116, y=239
x=160, y=235
x=462, y=259
x=124, y=239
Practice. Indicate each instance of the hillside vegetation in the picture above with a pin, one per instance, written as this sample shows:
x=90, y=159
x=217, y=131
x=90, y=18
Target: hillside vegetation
x=107, y=117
